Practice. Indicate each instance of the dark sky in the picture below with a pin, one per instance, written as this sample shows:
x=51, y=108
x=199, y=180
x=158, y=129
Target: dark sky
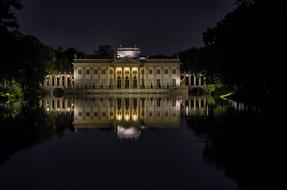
x=157, y=26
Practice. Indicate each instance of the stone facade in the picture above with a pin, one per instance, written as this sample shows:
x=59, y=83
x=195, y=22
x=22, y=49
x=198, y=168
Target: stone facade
x=126, y=73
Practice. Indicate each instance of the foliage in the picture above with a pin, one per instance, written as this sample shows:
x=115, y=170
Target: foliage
x=104, y=51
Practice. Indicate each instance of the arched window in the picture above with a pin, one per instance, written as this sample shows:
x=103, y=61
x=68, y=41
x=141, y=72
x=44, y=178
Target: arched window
x=127, y=82
x=135, y=82
x=119, y=82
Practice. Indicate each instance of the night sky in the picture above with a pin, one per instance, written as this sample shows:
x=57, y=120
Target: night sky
x=157, y=26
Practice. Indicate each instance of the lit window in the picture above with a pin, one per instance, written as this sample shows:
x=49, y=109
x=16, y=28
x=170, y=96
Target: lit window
x=158, y=71
x=79, y=71
x=166, y=71
x=87, y=71
x=150, y=71
x=95, y=71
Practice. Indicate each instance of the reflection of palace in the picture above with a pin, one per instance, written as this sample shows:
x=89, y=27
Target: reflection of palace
x=196, y=106
x=127, y=113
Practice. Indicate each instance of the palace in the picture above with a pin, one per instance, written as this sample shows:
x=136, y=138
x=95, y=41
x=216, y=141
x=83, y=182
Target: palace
x=127, y=72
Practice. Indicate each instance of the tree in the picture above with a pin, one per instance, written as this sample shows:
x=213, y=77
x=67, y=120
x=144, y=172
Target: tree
x=104, y=51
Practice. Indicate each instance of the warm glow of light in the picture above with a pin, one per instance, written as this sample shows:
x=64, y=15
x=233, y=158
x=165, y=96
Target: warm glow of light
x=119, y=117
x=127, y=117
x=135, y=117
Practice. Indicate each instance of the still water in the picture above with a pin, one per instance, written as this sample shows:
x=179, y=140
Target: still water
x=128, y=141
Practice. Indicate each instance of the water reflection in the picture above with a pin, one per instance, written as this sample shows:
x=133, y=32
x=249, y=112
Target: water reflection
x=128, y=115
x=177, y=131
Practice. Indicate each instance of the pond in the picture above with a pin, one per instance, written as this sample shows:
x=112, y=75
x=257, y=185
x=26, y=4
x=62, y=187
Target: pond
x=134, y=141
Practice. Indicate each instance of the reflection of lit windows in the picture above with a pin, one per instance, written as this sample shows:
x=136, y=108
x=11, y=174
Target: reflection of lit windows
x=166, y=113
x=80, y=114
x=158, y=102
x=173, y=103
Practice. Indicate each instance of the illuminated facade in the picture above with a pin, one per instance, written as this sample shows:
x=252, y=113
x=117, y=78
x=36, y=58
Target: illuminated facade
x=126, y=73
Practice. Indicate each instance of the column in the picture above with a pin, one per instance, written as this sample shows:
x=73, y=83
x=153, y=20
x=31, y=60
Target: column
x=194, y=80
x=199, y=80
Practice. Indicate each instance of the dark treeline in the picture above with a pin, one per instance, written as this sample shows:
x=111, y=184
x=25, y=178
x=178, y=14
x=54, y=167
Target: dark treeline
x=25, y=61
x=242, y=50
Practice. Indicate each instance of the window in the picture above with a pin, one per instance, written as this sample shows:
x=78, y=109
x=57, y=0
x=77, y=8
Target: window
x=111, y=72
x=173, y=82
x=103, y=114
x=96, y=114
x=88, y=114
x=127, y=82
x=173, y=71
x=103, y=71
x=87, y=71
x=119, y=82
x=158, y=102
x=48, y=81
x=95, y=71
x=150, y=71
x=135, y=72
x=142, y=71
x=80, y=114
x=119, y=72
x=79, y=71
x=158, y=71
x=127, y=72
x=158, y=83
x=166, y=71
x=135, y=82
